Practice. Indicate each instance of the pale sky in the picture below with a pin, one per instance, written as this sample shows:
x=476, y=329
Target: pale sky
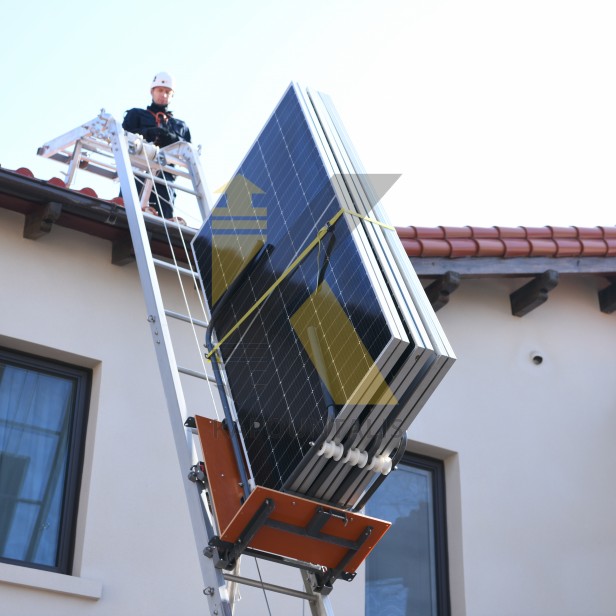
x=495, y=112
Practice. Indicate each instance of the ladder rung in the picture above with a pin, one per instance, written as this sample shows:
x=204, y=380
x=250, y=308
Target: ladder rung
x=199, y=375
x=185, y=318
x=267, y=586
x=175, y=268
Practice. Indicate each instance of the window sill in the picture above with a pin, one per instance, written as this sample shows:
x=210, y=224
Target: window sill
x=54, y=582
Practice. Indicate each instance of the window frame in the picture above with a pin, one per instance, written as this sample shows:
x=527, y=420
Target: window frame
x=436, y=468
x=82, y=378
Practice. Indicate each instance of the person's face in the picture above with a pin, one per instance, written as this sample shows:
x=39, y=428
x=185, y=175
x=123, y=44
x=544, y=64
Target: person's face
x=162, y=95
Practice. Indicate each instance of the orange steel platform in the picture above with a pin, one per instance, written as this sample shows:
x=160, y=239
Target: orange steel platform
x=277, y=523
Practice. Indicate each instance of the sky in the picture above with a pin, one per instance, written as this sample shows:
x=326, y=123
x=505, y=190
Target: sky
x=494, y=112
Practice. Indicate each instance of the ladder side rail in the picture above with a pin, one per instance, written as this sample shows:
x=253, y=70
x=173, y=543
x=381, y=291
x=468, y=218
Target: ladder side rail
x=73, y=165
x=213, y=579
x=320, y=604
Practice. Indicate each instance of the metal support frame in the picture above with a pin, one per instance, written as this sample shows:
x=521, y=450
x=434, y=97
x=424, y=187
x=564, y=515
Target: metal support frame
x=89, y=147
x=228, y=553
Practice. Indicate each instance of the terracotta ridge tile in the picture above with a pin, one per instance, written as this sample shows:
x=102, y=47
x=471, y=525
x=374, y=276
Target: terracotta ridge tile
x=462, y=247
x=488, y=247
x=589, y=232
x=516, y=247
x=430, y=232
x=563, y=232
x=568, y=247
x=406, y=232
x=542, y=247
x=25, y=171
x=608, y=232
x=456, y=232
x=538, y=232
x=511, y=232
x=484, y=232
x=594, y=247
x=435, y=248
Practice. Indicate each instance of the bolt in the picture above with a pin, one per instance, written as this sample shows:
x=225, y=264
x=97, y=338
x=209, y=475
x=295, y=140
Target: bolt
x=208, y=591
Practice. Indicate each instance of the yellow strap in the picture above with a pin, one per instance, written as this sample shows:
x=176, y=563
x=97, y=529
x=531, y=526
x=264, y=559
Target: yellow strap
x=291, y=267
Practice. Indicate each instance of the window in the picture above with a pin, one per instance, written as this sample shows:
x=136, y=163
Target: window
x=43, y=413
x=407, y=572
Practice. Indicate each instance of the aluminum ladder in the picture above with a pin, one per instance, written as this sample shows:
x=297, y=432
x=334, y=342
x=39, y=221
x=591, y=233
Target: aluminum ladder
x=102, y=147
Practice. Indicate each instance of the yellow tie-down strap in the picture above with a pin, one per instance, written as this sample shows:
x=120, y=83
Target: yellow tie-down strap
x=319, y=236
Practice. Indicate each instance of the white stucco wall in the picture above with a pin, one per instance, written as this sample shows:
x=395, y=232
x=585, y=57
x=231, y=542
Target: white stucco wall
x=61, y=297
x=528, y=448
x=531, y=502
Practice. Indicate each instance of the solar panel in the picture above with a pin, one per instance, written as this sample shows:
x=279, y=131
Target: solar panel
x=326, y=340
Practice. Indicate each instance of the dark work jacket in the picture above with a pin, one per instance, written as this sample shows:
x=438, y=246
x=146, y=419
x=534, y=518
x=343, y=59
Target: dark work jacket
x=156, y=125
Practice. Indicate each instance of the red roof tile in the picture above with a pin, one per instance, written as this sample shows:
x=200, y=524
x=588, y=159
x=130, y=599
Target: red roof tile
x=508, y=242
x=57, y=182
x=25, y=171
x=469, y=241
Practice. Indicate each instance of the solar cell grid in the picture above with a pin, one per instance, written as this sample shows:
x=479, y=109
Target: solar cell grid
x=272, y=375
x=327, y=340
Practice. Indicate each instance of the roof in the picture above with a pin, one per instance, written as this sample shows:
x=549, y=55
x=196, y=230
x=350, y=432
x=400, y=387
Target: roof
x=508, y=242
x=444, y=254
x=49, y=202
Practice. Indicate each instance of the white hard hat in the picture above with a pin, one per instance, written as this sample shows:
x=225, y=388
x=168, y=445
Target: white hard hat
x=164, y=80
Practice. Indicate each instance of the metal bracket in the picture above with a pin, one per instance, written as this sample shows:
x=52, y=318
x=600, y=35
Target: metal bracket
x=228, y=553
x=533, y=293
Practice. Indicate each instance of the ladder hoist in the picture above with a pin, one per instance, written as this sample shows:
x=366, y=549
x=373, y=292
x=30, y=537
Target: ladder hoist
x=230, y=516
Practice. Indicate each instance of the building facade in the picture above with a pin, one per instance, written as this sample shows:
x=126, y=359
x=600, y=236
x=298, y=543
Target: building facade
x=503, y=504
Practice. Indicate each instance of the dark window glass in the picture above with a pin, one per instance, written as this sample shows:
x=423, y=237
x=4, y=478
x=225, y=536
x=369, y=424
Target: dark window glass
x=406, y=574
x=43, y=410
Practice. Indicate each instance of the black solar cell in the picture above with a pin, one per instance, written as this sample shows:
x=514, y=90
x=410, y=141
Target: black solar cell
x=313, y=327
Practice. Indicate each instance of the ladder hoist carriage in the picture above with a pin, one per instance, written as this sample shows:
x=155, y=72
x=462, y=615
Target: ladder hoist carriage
x=306, y=514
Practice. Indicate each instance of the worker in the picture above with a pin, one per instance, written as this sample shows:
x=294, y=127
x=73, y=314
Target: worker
x=157, y=125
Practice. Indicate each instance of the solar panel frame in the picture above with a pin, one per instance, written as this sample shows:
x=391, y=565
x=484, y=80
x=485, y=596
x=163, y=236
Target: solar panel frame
x=431, y=325
x=416, y=329
x=389, y=355
x=351, y=167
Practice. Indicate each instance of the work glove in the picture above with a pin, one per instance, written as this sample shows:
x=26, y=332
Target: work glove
x=160, y=136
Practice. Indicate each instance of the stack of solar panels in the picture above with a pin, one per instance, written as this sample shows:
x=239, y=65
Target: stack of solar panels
x=327, y=341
